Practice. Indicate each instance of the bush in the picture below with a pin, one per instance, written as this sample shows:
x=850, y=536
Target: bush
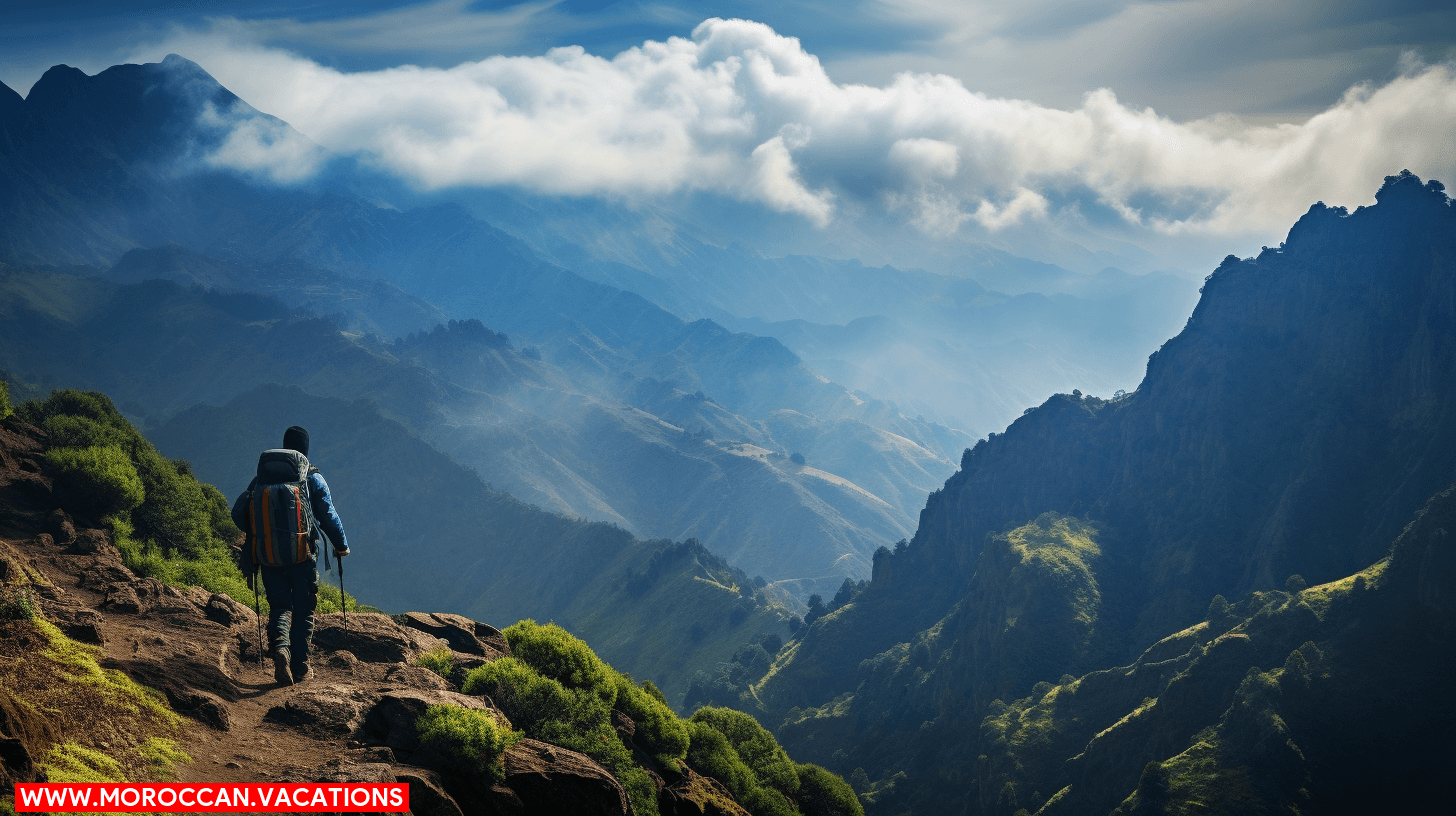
x=660, y=731
x=574, y=718
x=4, y=400
x=557, y=654
x=167, y=525
x=18, y=603
x=464, y=741
x=822, y=793
x=534, y=702
x=438, y=660
x=755, y=746
x=96, y=481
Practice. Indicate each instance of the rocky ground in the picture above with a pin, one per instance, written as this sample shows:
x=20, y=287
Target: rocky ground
x=353, y=719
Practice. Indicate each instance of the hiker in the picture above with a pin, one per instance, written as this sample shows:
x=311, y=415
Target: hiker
x=283, y=514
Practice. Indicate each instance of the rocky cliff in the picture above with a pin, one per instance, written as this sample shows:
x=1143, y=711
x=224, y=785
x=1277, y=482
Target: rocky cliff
x=1301, y=418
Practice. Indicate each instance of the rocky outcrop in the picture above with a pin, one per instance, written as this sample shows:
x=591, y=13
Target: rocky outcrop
x=549, y=779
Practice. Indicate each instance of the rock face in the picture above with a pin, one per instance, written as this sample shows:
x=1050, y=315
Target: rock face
x=1301, y=418
x=549, y=779
x=371, y=637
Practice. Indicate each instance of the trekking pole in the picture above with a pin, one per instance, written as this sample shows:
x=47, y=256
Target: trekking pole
x=258, y=613
x=343, y=599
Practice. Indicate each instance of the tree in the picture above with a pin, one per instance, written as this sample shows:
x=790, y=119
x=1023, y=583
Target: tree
x=816, y=609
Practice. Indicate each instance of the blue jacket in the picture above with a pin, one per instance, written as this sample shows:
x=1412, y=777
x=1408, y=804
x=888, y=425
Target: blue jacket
x=324, y=516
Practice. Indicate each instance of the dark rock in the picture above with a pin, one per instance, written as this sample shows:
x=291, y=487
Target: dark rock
x=343, y=769
x=392, y=720
x=549, y=779
x=122, y=598
x=80, y=624
x=462, y=633
x=59, y=526
x=427, y=796
x=45, y=541
x=373, y=638
x=106, y=572
x=202, y=706
x=222, y=609
x=342, y=660
x=322, y=710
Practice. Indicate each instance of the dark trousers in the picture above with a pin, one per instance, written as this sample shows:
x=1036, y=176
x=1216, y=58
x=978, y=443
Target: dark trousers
x=292, y=594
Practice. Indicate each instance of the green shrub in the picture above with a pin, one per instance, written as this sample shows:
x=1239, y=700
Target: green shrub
x=66, y=431
x=573, y=718
x=660, y=731
x=755, y=746
x=438, y=660
x=559, y=655
x=710, y=754
x=175, y=529
x=4, y=400
x=464, y=741
x=96, y=481
x=18, y=603
x=822, y=793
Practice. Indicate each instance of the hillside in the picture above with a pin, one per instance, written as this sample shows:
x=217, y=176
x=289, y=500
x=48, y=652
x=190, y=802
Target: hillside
x=113, y=677
x=1292, y=429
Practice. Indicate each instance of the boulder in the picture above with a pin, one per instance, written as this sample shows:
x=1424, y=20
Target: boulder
x=427, y=796
x=373, y=638
x=549, y=779
x=404, y=674
x=61, y=529
x=343, y=769
x=462, y=633
x=220, y=608
x=392, y=720
x=122, y=598
x=205, y=707
x=326, y=711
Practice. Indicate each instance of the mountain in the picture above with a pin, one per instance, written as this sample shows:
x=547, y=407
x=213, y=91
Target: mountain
x=1284, y=438
x=971, y=344
x=571, y=428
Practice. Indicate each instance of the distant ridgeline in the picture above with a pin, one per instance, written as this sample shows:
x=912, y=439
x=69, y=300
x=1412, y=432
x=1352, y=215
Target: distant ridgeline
x=1283, y=440
x=602, y=404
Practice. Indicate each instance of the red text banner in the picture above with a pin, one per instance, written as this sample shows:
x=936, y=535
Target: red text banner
x=208, y=797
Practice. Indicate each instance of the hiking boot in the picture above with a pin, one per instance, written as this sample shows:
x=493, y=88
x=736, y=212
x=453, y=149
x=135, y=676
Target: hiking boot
x=280, y=667
x=302, y=672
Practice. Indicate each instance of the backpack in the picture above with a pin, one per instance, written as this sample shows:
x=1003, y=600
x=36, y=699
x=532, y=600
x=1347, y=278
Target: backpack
x=279, y=510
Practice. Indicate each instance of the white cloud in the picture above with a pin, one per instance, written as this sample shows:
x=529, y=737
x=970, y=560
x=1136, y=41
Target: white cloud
x=262, y=146
x=740, y=110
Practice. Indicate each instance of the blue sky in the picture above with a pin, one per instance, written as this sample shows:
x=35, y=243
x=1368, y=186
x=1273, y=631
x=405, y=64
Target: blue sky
x=1168, y=124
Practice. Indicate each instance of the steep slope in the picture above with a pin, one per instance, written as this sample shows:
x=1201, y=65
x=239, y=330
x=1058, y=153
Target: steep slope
x=1293, y=427
x=389, y=700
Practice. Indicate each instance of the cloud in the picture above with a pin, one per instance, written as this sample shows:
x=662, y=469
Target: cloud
x=261, y=146
x=740, y=110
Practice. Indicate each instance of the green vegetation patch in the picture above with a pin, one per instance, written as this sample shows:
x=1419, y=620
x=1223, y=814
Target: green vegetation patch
x=168, y=525
x=465, y=741
x=438, y=660
x=555, y=689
